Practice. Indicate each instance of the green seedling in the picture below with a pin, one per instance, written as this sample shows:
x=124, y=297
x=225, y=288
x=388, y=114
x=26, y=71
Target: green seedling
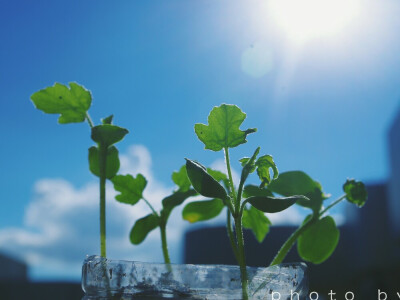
x=318, y=235
x=316, y=238
x=131, y=191
x=72, y=104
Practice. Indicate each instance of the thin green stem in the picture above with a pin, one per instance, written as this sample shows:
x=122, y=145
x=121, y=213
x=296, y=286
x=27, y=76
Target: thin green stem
x=102, y=178
x=245, y=173
x=333, y=204
x=241, y=256
x=293, y=238
x=151, y=206
x=228, y=203
x=243, y=206
x=89, y=120
x=163, y=231
x=103, y=168
x=240, y=190
x=239, y=230
x=232, y=188
x=230, y=235
x=164, y=244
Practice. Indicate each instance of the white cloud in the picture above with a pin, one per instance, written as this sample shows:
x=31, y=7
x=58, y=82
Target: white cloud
x=291, y=216
x=61, y=224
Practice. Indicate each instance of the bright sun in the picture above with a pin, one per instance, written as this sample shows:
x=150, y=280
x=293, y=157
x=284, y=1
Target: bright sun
x=306, y=19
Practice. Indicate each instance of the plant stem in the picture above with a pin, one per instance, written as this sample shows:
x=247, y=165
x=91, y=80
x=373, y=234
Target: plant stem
x=89, y=120
x=102, y=177
x=229, y=205
x=103, y=168
x=232, y=188
x=240, y=191
x=241, y=256
x=163, y=231
x=280, y=256
x=230, y=235
x=291, y=240
x=242, y=207
x=151, y=206
x=239, y=230
x=164, y=243
x=332, y=204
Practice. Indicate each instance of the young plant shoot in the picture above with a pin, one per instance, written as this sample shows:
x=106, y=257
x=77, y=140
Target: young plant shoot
x=131, y=191
x=317, y=237
x=72, y=104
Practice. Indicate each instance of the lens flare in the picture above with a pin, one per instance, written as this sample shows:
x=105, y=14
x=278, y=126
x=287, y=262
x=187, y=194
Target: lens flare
x=303, y=20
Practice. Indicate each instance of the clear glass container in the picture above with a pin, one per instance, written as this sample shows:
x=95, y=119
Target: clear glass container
x=105, y=279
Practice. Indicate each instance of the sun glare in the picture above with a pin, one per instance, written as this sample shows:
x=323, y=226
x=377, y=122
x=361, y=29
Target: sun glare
x=306, y=19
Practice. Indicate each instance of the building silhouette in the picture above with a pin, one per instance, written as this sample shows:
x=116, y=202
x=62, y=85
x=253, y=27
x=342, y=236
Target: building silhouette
x=394, y=180
x=12, y=269
x=14, y=284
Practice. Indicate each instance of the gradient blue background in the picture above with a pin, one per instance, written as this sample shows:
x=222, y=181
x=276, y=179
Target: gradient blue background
x=160, y=66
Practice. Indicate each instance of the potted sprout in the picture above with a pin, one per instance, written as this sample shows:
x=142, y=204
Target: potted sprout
x=316, y=238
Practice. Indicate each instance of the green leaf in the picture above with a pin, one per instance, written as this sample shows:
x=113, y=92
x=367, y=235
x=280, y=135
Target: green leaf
x=176, y=199
x=203, y=182
x=223, y=129
x=253, y=190
x=356, y=192
x=273, y=204
x=219, y=176
x=243, y=161
x=108, y=134
x=248, y=165
x=112, y=163
x=130, y=188
x=181, y=179
x=319, y=241
x=256, y=221
x=107, y=120
x=264, y=163
x=299, y=183
x=202, y=210
x=71, y=103
x=142, y=228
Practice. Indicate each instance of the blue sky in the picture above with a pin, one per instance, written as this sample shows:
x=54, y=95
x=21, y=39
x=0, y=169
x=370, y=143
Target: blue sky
x=160, y=66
